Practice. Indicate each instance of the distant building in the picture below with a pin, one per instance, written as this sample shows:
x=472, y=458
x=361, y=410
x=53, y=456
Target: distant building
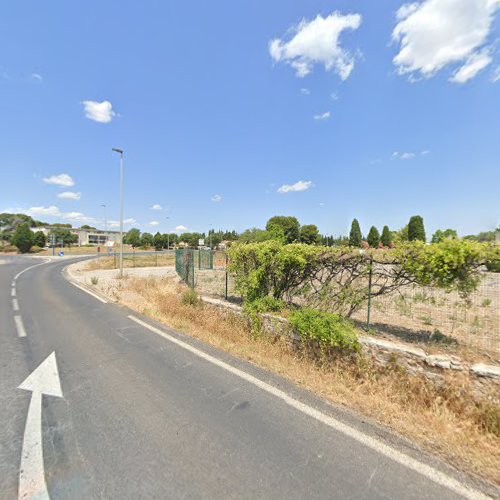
x=85, y=236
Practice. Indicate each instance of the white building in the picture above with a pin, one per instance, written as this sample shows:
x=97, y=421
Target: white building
x=85, y=236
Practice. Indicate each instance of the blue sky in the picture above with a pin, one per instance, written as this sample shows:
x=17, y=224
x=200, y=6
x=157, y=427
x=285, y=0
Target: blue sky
x=326, y=110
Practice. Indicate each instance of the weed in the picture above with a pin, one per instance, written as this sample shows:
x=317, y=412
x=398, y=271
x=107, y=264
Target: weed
x=94, y=280
x=190, y=298
x=486, y=302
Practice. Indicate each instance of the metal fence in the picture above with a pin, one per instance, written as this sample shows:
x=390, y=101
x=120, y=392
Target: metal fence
x=414, y=313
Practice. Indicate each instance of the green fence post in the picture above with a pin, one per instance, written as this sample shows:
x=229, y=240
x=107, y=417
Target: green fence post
x=225, y=294
x=369, y=294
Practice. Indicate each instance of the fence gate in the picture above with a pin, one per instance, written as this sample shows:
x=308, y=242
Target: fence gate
x=205, y=259
x=184, y=265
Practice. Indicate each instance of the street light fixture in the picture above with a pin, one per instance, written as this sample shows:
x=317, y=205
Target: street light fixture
x=120, y=152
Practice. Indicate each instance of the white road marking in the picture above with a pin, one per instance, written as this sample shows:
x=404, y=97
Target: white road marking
x=21, y=332
x=44, y=380
x=89, y=292
x=28, y=268
x=378, y=446
x=15, y=304
x=13, y=291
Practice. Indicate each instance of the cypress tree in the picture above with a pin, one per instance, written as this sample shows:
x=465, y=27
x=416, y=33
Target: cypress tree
x=386, y=237
x=373, y=237
x=416, y=230
x=355, y=234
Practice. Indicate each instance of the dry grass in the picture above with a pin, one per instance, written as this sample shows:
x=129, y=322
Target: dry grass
x=446, y=422
x=132, y=261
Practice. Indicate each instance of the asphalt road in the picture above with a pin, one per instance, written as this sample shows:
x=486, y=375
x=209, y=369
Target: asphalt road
x=145, y=416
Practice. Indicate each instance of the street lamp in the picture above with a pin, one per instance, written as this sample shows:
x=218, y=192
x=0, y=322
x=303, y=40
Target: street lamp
x=210, y=235
x=103, y=205
x=168, y=237
x=120, y=152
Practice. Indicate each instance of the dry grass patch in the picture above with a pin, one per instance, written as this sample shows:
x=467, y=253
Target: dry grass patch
x=447, y=422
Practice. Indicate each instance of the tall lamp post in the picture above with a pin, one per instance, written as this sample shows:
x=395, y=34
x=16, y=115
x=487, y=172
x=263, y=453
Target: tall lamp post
x=120, y=152
x=168, y=237
x=210, y=235
x=103, y=205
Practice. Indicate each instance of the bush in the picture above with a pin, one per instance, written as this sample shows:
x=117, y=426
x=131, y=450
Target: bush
x=23, y=238
x=493, y=259
x=9, y=248
x=94, y=280
x=329, y=330
x=264, y=305
x=35, y=249
x=190, y=298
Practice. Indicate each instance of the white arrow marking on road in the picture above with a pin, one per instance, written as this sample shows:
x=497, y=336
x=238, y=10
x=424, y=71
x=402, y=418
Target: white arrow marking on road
x=44, y=380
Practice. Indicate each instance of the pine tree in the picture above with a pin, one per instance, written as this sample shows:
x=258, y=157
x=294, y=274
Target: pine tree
x=386, y=237
x=355, y=234
x=416, y=230
x=373, y=237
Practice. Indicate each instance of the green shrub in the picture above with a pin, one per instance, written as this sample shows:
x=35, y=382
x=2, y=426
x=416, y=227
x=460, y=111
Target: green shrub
x=329, y=330
x=264, y=305
x=493, y=259
x=94, y=280
x=190, y=298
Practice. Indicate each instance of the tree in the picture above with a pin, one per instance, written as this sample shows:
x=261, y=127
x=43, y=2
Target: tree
x=86, y=226
x=355, y=234
x=39, y=239
x=146, y=240
x=309, y=234
x=386, y=238
x=63, y=235
x=23, y=238
x=133, y=237
x=254, y=235
x=158, y=241
x=416, y=230
x=284, y=227
x=439, y=235
x=373, y=237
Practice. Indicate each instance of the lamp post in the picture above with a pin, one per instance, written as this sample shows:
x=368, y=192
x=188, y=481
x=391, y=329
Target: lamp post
x=120, y=152
x=103, y=205
x=210, y=235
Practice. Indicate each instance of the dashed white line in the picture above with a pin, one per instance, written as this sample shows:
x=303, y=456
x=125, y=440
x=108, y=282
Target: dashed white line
x=21, y=332
x=90, y=293
x=370, y=442
x=13, y=292
x=15, y=304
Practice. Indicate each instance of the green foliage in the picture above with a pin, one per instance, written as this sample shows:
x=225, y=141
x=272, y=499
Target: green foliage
x=440, y=235
x=94, y=280
x=493, y=259
x=133, y=237
x=329, y=330
x=23, y=238
x=416, y=230
x=373, y=237
x=283, y=227
x=190, y=298
x=386, y=238
x=64, y=235
x=309, y=234
x=355, y=234
x=39, y=239
x=146, y=240
x=192, y=238
x=86, y=226
x=450, y=264
x=158, y=241
x=254, y=235
x=261, y=269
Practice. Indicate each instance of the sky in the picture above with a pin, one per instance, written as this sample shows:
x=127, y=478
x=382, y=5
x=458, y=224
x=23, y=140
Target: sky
x=232, y=112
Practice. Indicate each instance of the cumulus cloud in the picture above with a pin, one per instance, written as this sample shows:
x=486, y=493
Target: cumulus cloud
x=156, y=207
x=317, y=42
x=70, y=195
x=126, y=222
x=496, y=75
x=408, y=155
x=323, y=116
x=51, y=211
x=216, y=198
x=78, y=217
x=101, y=112
x=298, y=186
x=154, y=223
x=60, y=180
x=181, y=228
x=435, y=33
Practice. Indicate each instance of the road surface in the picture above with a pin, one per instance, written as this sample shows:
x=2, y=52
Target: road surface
x=147, y=412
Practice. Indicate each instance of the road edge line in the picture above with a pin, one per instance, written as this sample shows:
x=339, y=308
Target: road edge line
x=427, y=471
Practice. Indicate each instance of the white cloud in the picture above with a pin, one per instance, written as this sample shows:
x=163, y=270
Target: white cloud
x=407, y=156
x=154, y=223
x=317, y=42
x=305, y=91
x=126, y=222
x=334, y=96
x=323, y=116
x=60, y=180
x=156, y=207
x=51, y=211
x=216, y=198
x=69, y=195
x=496, y=74
x=181, y=228
x=298, y=186
x=424, y=152
x=101, y=112
x=435, y=33
x=37, y=77
x=474, y=64
x=78, y=217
